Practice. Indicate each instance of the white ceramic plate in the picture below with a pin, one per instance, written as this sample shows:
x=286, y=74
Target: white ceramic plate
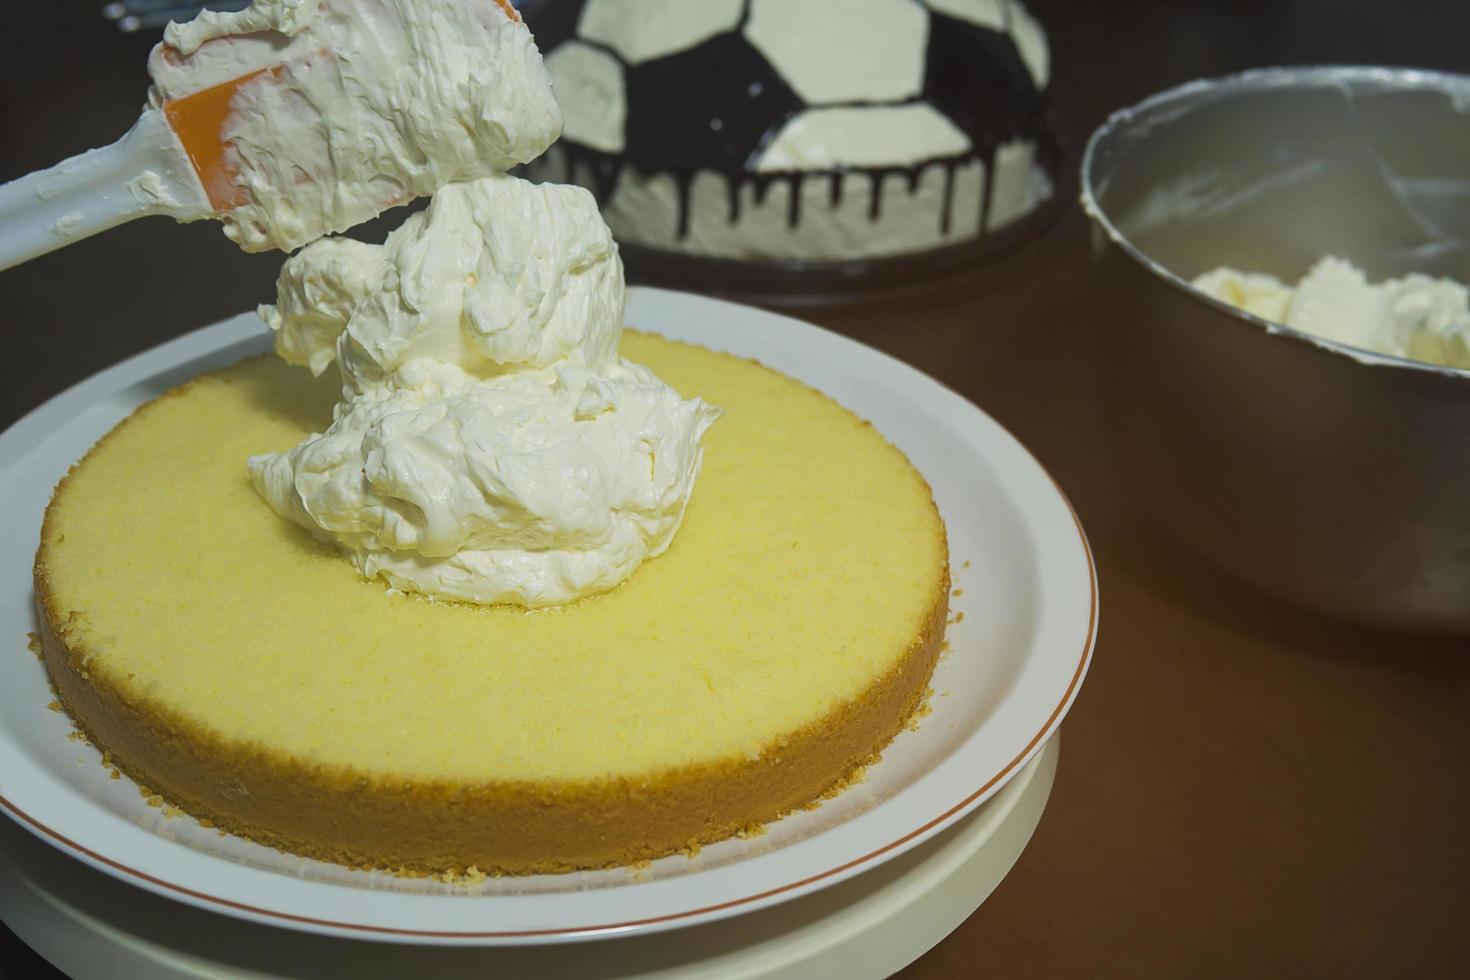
x=1025, y=585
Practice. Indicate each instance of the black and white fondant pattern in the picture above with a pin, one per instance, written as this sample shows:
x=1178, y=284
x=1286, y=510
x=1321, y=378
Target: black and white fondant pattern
x=799, y=129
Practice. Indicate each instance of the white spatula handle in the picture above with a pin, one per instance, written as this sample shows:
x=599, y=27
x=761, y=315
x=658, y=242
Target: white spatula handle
x=145, y=172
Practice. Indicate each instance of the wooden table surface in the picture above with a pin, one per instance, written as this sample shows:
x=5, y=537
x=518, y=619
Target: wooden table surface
x=1244, y=789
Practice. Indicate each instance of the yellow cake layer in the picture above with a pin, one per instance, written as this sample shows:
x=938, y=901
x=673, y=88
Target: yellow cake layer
x=810, y=573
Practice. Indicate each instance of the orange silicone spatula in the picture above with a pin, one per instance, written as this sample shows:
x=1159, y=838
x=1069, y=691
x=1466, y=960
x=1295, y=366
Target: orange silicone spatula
x=174, y=162
x=198, y=122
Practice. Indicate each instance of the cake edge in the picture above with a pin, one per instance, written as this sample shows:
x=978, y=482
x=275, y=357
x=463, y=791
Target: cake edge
x=439, y=827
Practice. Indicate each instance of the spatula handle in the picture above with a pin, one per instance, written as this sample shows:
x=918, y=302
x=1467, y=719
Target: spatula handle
x=143, y=173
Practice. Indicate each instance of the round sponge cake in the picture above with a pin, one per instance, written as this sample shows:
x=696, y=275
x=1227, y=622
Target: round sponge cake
x=250, y=675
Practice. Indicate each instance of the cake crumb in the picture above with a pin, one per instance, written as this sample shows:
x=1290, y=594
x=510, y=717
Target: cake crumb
x=456, y=876
x=75, y=736
x=33, y=644
x=75, y=622
x=691, y=848
x=53, y=705
x=965, y=563
x=205, y=822
x=751, y=830
x=170, y=811
x=957, y=593
x=921, y=710
x=959, y=617
x=858, y=776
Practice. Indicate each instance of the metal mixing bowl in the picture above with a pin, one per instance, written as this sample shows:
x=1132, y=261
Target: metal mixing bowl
x=1330, y=476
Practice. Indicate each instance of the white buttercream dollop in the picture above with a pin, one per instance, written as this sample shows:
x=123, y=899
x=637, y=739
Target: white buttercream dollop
x=360, y=104
x=1417, y=317
x=490, y=446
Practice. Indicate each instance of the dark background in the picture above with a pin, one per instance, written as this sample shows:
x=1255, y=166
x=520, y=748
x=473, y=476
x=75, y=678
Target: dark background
x=1244, y=789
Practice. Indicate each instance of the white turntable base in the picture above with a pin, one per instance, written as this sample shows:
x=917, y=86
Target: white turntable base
x=91, y=925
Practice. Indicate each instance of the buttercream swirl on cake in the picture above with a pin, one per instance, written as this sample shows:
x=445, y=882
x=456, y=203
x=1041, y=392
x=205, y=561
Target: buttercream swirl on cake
x=359, y=105
x=490, y=445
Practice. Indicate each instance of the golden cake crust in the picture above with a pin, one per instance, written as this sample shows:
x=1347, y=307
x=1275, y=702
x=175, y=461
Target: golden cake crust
x=340, y=814
x=435, y=827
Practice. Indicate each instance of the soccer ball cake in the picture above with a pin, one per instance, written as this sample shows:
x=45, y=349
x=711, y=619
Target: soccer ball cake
x=818, y=131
